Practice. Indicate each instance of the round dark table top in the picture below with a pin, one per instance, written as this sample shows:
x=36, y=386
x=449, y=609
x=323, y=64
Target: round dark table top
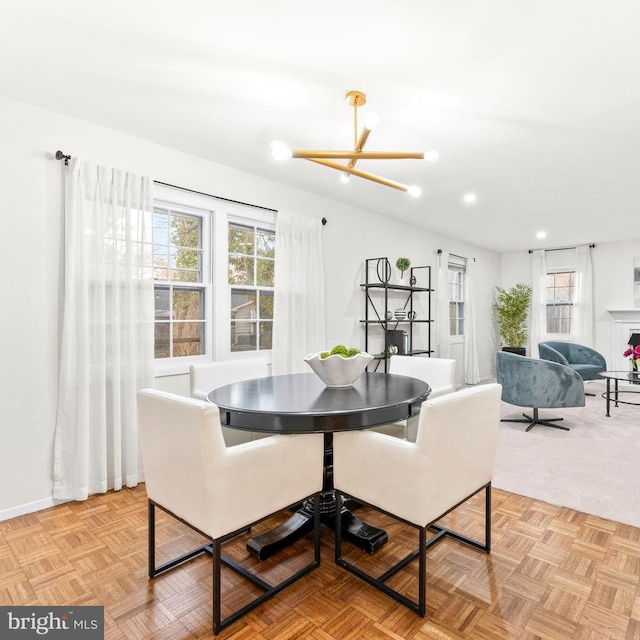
x=301, y=403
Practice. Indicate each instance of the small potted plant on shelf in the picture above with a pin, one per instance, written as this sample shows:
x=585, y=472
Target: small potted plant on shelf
x=402, y=264
x=511, y=308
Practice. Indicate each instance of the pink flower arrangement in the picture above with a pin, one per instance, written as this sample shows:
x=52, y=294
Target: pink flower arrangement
x=633, y=353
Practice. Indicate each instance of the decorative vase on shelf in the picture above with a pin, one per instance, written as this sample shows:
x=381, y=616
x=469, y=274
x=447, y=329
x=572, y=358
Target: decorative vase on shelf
x=400, y=314
x=402, y=281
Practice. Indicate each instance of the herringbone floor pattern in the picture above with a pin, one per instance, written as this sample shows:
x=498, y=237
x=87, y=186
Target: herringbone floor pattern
x=553, y=573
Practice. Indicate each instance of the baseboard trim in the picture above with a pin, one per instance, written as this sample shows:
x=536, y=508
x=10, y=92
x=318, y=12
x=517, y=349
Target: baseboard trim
x=29, y=507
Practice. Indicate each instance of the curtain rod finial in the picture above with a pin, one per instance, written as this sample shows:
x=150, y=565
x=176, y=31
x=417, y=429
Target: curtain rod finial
x=61, y=156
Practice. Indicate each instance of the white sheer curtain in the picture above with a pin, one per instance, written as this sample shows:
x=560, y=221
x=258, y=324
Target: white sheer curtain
x=443, y=331
x=299, y=300
x=538, y=320
x=582, y=320
x=106, y=351
x=471, y=366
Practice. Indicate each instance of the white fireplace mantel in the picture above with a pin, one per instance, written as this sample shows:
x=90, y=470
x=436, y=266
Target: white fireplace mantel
x=625, y=322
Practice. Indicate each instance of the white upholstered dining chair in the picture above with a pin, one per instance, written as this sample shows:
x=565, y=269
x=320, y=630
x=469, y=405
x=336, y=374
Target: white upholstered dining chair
x=439, y=373
x=418, y=483
x=204, y=378
x=220, y=491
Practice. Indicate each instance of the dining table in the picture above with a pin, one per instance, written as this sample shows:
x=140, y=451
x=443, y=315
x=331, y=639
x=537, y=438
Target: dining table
x=300, y=403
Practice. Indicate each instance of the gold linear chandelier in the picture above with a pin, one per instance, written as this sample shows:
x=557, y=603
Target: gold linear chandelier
x=356, y=99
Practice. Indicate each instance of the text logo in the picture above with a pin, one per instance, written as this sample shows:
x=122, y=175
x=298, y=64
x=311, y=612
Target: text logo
x=53, y=623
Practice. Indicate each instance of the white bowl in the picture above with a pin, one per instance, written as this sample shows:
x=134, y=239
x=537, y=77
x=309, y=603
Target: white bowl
x=336, y=371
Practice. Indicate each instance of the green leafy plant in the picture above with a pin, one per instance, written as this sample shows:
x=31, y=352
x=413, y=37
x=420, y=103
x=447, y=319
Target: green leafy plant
x=340, y=350
x=511, y=308
x=403, y=264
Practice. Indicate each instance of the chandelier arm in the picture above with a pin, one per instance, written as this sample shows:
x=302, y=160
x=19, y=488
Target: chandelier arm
x=361, y=174
x=357, y=155
x=362, y=140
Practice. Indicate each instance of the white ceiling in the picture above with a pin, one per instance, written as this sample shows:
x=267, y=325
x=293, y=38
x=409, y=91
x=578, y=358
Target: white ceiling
x=534, y=105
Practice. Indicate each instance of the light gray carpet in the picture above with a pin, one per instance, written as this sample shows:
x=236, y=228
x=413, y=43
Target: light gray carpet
x=593, y=468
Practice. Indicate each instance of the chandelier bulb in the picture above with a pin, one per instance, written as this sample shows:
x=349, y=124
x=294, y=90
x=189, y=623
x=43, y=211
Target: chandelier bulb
x=344, y=177
x=371, y=121
x=431, y=156
x=280, y=151
x=414, y=191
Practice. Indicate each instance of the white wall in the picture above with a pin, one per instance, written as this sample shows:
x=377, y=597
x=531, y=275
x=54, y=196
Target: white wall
x=612, y=282
x=30, y=246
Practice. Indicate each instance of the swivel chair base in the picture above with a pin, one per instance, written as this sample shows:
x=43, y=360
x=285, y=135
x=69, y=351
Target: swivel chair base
x=547, y=422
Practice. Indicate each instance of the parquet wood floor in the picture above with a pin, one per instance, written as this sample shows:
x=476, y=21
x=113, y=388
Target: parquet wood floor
x=553, y=573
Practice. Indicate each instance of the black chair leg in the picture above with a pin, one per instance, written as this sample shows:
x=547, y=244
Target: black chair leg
x=535, y=420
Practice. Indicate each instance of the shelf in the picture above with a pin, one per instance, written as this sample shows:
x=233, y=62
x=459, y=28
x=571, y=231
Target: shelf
x=392, y=321
x=393, y=287
x=382, y=297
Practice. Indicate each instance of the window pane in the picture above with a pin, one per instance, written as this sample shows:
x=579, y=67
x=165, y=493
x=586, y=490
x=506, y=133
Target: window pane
x=185, y=259
x=182, y=275
x=266, y=244
x=266, y=272
x=266, y=305
x=160, y=227
x=241, y=240
x=266, y=335
x=162, y=303
x=241, y=270
x=243, y=336
x=243, y=305
x=162, y=342
x=187, y=305
x=185, y=231
x=187, y=339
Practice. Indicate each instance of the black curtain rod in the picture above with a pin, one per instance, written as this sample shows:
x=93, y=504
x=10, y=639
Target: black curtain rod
x=208, y=195
x=591, y=246
x=455, y=255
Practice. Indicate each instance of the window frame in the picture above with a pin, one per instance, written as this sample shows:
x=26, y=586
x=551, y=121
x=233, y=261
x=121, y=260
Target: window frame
x=188, y=207
x=256, y=288
x=560, y=336
x=217, y=214
x=460, y=267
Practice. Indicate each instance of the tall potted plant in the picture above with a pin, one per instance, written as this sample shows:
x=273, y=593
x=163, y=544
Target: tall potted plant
x=511, y=308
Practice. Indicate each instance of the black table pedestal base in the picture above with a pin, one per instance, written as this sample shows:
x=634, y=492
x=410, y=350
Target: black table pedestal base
x=359, y=533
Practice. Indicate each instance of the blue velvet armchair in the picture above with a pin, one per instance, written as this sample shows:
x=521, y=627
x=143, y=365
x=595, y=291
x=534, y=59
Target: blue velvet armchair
x=585, y=360
x=538, y=384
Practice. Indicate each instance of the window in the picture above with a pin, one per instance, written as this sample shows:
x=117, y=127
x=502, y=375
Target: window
x=560, y=297
x=251, y=274
x=213, y=265
x=456, y=299
x=179, y=275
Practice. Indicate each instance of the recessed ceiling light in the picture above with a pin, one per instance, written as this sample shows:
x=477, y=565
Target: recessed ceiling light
x=541, y=234
x=469, y=198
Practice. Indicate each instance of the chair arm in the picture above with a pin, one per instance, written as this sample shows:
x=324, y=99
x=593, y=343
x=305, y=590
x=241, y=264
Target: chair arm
x=549, y=353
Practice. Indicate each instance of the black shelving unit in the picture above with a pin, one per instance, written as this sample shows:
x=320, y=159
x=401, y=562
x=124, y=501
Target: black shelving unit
x=376, y=314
